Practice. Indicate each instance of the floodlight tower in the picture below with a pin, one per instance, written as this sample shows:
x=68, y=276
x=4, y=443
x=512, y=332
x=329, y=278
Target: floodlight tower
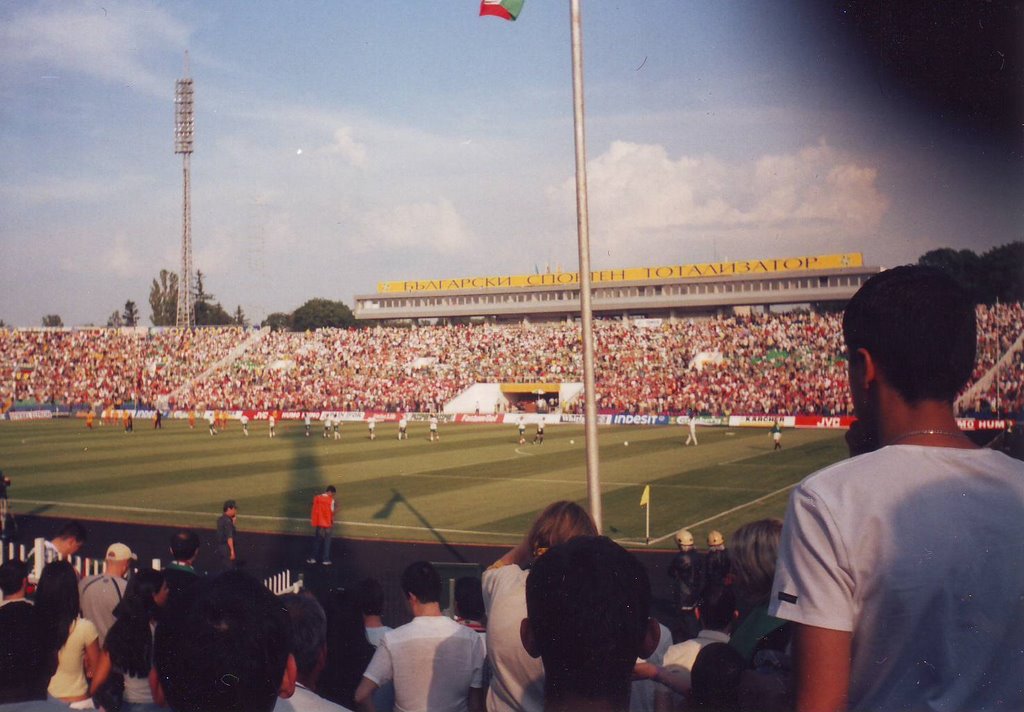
x=184, y=128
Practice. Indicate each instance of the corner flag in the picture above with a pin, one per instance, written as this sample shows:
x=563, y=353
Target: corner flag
x=645, y=498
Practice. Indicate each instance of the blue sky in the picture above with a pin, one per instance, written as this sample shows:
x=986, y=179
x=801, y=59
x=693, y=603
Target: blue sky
x=343, y=143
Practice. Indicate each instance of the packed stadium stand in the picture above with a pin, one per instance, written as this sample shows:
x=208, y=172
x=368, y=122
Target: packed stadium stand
x=790, y=362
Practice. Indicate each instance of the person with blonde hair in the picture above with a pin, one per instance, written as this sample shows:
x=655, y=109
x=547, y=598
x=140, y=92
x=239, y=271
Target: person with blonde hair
x=754, y=548
x=517, y=684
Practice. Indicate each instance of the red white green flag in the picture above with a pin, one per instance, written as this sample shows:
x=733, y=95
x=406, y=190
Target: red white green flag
x=505, y=9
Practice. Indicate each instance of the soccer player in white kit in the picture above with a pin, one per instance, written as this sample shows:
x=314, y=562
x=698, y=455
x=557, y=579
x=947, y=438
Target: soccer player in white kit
x=371, y=424
x=693, y=430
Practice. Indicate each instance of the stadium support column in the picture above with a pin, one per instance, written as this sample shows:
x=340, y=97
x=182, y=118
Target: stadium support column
x=583, y=234
x=184, y=129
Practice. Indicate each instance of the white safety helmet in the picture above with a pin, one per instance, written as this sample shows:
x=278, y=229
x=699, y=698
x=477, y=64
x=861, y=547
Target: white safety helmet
x=684, y=538
x=715, y=538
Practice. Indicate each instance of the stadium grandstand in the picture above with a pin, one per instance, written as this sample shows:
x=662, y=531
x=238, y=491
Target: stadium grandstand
x=668, y=292
x=741, y=362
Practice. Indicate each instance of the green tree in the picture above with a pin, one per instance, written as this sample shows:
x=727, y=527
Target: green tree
x=130, y=315
x=996, y=274
x=1003, y=268
x=214, y=314
x=320, y=313
x=239, y=318
x=278, y=321
x=115, y=320
x=53, y=320
x=207, y=312
x=163, y=299
x=962, y=265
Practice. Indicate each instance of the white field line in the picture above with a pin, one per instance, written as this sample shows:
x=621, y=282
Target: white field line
x=212, y=515
x=548, y=481
x=726, y=512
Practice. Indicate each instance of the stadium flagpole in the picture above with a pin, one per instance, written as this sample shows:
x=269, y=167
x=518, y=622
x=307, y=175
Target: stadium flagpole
x=583, y=235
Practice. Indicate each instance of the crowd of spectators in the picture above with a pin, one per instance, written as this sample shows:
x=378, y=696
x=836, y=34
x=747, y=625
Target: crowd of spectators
x=103, y=367
x=790, y=362
x=153, y=644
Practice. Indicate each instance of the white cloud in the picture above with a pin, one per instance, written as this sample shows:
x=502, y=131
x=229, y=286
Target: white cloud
x=638, y=190
x=58, y=190
x=345, y=145
x=119, y=256
x=112, y=42
x=431, y=227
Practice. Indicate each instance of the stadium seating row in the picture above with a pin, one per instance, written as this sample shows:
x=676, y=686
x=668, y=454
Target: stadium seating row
x=765, y=363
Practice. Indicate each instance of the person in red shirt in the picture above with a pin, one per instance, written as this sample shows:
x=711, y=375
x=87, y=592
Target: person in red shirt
x=322, y=519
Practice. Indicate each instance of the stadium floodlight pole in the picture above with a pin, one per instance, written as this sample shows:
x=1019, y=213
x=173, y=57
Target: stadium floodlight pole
x=184, y=130
x=583, y=234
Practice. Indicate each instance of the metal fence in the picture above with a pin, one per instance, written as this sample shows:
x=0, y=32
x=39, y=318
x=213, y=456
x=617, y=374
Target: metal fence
x=278, y=584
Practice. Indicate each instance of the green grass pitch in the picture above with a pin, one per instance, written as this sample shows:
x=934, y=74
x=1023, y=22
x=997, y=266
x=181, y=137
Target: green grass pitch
x=477, y=485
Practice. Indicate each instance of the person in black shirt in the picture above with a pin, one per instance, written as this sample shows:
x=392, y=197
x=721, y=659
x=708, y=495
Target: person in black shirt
x=226, y=535
x=687, y=574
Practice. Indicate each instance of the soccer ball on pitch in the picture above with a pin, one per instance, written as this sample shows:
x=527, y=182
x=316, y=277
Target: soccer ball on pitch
x=626, y=443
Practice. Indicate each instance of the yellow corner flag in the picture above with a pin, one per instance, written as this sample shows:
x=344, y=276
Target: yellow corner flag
x=645, y=498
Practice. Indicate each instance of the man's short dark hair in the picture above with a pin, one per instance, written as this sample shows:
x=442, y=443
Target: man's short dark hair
x=421, y=579
x=28, y=654
x=369, y=597
x=223, y=645
x=469, y=598
x=716, y=675
x=184, y=544
x=229, y=504
x=308, y=629
x=918, y=324
x=718, y=607
x=12, y=576
x=331, y=488
x=588, y=603
x=72, y=530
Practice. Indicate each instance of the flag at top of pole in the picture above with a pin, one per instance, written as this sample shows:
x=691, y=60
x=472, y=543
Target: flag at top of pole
x=645, y=502
x=505, y=9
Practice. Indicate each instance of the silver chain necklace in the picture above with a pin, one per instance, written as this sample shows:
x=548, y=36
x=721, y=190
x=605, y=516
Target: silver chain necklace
x=912, y=433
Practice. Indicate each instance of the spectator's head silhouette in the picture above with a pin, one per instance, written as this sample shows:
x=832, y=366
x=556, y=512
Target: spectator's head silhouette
x=588, y=602
x=916, y=325
x=224, y=646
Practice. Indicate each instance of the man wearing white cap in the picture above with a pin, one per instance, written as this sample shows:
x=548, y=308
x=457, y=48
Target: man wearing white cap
x=101, y=593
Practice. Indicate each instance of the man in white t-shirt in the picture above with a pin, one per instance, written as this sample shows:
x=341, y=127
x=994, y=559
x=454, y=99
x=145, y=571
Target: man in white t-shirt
x=403, y=426
x=309, y=648
x=435, y=663
x=900, y=567
x=717, y=614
